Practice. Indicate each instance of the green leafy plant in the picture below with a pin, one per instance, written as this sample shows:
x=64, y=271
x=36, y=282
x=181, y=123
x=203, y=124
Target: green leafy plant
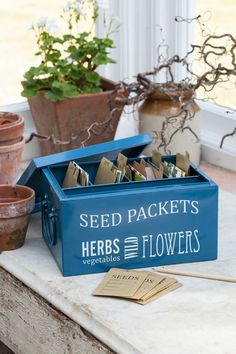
x=69, y=62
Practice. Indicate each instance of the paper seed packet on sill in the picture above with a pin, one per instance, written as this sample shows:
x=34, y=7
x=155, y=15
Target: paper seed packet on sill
x=120, y=283
x=140, y=287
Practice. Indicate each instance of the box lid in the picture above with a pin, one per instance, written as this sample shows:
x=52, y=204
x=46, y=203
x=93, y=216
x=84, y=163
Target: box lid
x=130, y=147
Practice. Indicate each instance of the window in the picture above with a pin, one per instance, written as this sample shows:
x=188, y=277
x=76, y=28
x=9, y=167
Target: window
x=17, y=42
x=219, y=19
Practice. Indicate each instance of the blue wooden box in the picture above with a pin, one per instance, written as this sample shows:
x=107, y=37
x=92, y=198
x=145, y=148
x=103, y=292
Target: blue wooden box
x=131, y=224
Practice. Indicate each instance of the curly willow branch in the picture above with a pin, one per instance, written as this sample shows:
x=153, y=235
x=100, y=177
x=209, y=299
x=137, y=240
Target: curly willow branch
x=211, y=56
x=226, y=136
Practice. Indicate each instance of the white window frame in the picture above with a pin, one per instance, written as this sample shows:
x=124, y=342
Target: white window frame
x=216, y=121
x=135, y=51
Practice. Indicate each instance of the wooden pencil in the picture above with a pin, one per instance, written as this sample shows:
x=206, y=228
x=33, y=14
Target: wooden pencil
x=195, y=274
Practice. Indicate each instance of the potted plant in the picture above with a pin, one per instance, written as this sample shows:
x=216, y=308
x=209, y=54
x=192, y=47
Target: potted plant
x=11, y=146
x=71, y=104
x=16, y=204
x=170, y=114
x=167, y=106
x=11, y=128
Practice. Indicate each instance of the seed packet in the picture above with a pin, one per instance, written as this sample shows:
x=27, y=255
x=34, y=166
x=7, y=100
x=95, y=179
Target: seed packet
x=121, y=161
x=173, y=171
x=159, y=294
x=120, y=283
x=182, y=162
x=149, y=283
x=121, y=164
x=140, y=287
x=107, y=173
x=74, y=175
x=71, y=176
x=156, y=157
x=133, y=174
x=158, y=173
x=83, y=176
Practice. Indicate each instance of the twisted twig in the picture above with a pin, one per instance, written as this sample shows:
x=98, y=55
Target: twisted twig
x=226, y=136
x=211, y=53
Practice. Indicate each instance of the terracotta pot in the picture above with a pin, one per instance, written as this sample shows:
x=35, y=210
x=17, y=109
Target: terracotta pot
x=153, y=113
x=16, y=204
x=68, y=118
x=11, y=128
x=10, y=158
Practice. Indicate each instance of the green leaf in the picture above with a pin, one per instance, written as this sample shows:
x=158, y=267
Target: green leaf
x=68, y=90
x=49, y=40
x=107, y=42
x=33, y=71
x=91, y=89
x=53, y=56
x=93, y=77
x=102, y=59
x=52, y=70
x=77, y=72
x=68, y=37
x=54, y=96
x=29, y=93
x=82, y=37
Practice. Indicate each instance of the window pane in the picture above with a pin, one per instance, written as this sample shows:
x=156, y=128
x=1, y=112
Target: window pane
x=17, y=42
x=220, y=20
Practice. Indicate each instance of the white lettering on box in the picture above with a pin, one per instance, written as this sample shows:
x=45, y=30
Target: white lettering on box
x=194, y=204
x=196, y=250
x=96, y=248
x=184, y=202
x=150, y=214
x=162, y=209
x=181, y=236
x=141, y=214
x=84, y=222
x=174, y=208
x=116, y=219
x=130, y=247
x=93, y=248
x=159, y=245
x=94, y=221
x=105, y=220
x=154, y=210
x=131, y=214
x=144, y=246
x=170, y=238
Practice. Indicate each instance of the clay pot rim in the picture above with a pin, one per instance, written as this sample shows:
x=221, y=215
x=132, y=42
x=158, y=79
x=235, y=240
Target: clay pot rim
x=22, y=200
x=15, y=123
x=12, y=147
